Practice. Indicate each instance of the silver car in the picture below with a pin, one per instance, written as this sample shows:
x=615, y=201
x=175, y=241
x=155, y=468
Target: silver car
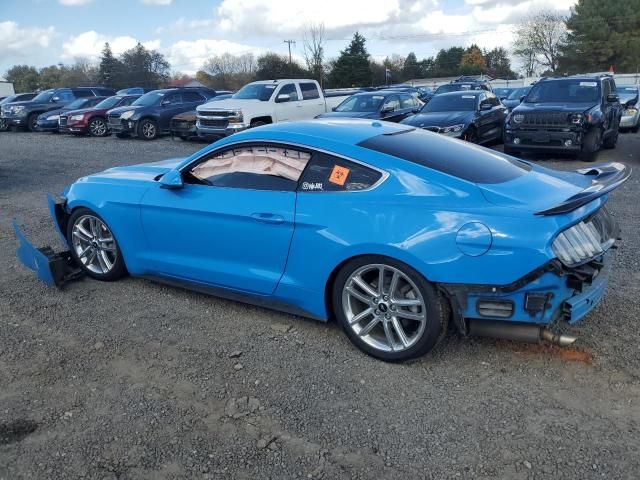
x=629, y=95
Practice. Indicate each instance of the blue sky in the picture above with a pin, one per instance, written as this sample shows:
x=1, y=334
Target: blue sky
x=44, y=32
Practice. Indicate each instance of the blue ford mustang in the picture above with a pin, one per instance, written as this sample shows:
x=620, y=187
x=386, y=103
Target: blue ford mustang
x=394, y=231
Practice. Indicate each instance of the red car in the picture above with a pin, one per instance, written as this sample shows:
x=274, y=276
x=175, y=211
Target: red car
x=93, y=120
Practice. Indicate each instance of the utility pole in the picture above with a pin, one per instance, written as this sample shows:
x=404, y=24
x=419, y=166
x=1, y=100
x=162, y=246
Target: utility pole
x=289, y=42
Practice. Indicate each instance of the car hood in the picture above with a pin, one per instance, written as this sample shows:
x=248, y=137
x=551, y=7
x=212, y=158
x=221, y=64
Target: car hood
x=57, y=111
x=121, y=110
x=554, y=107
x=231, y=104
x=624, y=98
x=29, y=103
x=350, y=115
x=439, y=119
x=537, y=190
x=188, y=116
x=143, y=172
x=511, y=104
x=81, y=111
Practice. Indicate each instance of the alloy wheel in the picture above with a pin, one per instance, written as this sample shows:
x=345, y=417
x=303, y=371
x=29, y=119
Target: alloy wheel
x=148, y=130
x=94, y=245
x=98, y=127
x=384, y=307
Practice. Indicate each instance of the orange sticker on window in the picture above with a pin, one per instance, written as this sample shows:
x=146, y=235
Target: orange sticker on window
x=339, y=175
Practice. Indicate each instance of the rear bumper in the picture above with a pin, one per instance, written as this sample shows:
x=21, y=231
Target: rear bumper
x=543, y=140
x=550, y=294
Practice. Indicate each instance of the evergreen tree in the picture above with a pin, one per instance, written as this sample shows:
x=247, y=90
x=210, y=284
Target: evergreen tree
x=110, y=68
x=352, y=66
x=272, y=66
x=498, y=63
x=602, y=36
x=411, y=68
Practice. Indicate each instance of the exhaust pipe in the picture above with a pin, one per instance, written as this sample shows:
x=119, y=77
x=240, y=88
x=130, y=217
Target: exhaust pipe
x=518, y=332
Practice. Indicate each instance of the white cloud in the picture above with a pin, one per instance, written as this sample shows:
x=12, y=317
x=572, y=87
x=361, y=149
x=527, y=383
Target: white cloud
x=90, y=44
x=157, y=2
x=182, y=25
x=189, y=56
x=23, y=44
x=74, y=3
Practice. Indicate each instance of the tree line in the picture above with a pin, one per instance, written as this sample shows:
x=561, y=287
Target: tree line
x=590, y=39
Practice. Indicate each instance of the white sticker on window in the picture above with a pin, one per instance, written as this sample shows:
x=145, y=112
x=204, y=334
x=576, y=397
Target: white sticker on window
x=468, y=96
x=631, y=89
x=588, y=84
x=270, y=87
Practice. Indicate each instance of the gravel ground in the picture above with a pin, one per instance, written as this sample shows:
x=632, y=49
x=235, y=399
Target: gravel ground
x=135, y=380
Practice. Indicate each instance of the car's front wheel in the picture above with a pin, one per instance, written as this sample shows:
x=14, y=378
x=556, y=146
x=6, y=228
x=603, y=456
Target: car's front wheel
x=98, y=127
x=4, y=125
x=387, y=309
x=148, y=129
x=93, y=246
x=32, y=122
x=591, y=145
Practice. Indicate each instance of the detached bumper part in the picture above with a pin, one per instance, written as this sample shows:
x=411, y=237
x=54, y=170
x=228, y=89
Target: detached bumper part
x=52, y=268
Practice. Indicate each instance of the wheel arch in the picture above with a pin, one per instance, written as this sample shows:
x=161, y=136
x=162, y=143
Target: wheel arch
x=329, y=284
x=264, y=118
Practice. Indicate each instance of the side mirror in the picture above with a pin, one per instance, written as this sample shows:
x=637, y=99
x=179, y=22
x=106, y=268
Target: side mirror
x=171, y=180
x=283, y=97
x=486, y=106
x=522, y=98
x=333, y=109
x=55, y=99
x=612, y=98
x=388, y=109
x=503, y=98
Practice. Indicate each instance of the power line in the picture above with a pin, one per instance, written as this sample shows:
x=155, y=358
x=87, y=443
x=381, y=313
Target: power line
x=289, y=42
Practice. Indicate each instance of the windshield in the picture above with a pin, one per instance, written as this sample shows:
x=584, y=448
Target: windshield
x=518, y=92
x=502, y=92
x=627, y=91
x=109, y=102
x=564, y=91
x=452, y=103
x=148, y=99
x=256, y=91
x=76, y=104
x=361, y=103
x=456, y=87
x=43, y=96
x=8, y=99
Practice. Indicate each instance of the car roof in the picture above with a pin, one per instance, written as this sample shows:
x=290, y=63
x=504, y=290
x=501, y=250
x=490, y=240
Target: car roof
x=459, y=93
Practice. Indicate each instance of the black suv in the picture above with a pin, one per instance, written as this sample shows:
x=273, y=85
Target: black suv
x=572, y=114
x=25, y=114
x=150, y=115
x=462, y=83
x=18, y=97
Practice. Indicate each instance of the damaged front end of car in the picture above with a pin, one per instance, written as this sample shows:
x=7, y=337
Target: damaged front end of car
x=53, y=268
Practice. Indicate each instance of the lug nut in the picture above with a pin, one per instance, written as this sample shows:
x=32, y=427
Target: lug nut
x=386, y=298
x=377, y=312
x=393, y=307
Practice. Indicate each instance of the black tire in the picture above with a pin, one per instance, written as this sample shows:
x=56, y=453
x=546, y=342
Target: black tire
x=471, y=135
x=636, y=128
x=510, y=151
x=436, y=308
x=117, y=271
x=98, y=127
x=184, y=138
x=148, y=129
x=122, y=135
x=32, y=120
x=591, y=145
x=4, y=126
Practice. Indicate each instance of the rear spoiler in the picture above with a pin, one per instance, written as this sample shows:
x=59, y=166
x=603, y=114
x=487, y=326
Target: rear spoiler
x=606, y=177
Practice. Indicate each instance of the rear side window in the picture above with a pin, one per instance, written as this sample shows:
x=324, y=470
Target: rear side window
x=190, y=97
x=326, y=173
x=309, y=91
x=453, y=158
x=83, y=93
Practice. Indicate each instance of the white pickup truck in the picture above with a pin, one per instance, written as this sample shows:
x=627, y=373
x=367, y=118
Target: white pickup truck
x=263, y=102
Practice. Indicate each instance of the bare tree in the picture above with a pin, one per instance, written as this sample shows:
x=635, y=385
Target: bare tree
x=230, y=72
x=542, y=35
x=313, y=43
x=529, y=60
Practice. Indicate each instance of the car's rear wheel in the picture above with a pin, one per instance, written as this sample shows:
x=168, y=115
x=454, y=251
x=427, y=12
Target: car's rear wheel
x=4, y=125
x=98, y=127
x=32, y=122
x=387, y=309
x=148, y=129
x=93, y=246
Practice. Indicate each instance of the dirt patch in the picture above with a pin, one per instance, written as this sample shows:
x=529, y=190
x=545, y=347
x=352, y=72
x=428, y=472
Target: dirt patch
x=568, y=354
x=16, y=431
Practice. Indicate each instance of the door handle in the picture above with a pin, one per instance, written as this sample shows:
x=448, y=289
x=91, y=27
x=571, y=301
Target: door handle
x=267, y=218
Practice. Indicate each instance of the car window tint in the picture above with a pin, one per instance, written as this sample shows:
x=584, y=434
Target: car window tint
x=65, y=96
x=289, y=89
x=83, y=93
x=326, y=173
x=453, y=158
x=127, y=101
x=173, y=99
x=407, y=101
x=256, y=167
x=391, y=103
x=309, y=91
x=190, y=97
